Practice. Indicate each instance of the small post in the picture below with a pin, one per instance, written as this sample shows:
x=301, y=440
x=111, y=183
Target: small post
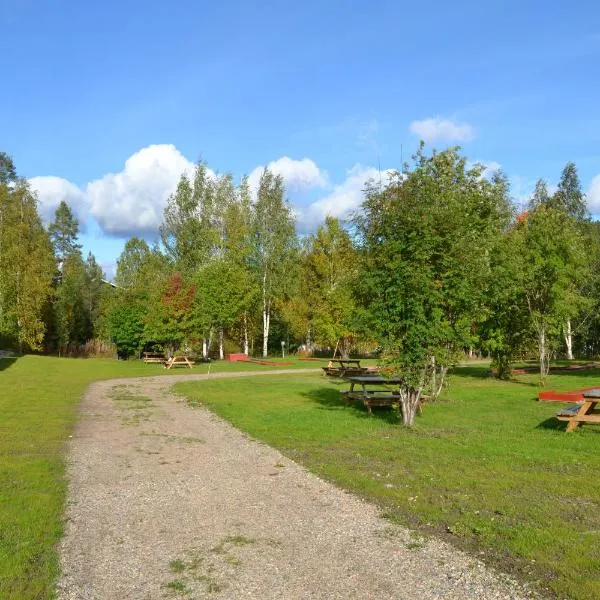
x=282, y=349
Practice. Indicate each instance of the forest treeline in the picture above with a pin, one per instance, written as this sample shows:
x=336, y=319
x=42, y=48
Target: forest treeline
x=437, y=262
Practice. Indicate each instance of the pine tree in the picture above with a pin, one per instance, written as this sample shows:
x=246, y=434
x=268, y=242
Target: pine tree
x=92, y=294
x=8, y=173
x=64, y=232
x=69, y=315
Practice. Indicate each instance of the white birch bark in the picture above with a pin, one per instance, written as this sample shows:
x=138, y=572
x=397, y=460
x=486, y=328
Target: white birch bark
x=569, y=340
x=245, y=344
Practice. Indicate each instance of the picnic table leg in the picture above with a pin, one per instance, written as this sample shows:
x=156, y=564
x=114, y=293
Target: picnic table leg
x=366, y=399
x=573, y=423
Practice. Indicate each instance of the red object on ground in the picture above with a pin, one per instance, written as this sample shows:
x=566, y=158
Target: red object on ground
x=572, y=396
x=239, y=356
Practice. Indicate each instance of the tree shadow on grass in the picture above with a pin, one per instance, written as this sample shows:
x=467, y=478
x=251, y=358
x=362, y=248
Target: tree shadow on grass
x=483, y=372
x=476, y=371
x=6, y=362
x=552, y=423
x=331, y=399
x=588, y=373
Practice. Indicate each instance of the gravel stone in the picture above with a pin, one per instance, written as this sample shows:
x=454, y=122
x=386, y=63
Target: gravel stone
x=166, y=501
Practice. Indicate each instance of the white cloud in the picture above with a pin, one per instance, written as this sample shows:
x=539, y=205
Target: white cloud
x=593, y=196
x=437, y=129
x=134, y=199
x=51, y=191
x=298, y=174
x=344, y=199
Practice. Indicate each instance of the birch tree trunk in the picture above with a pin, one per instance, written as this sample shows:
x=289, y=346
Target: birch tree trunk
x=221, y=354
x=266, y=323
x=204, y=349
x=569, y=340
x=544, y=358
x=210, y=339
x=245, y=344
x=266, y=317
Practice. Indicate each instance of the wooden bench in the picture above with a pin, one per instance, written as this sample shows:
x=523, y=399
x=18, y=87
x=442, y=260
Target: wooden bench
x=178, y=361
x=153, y=357
x=578, y=414
x=372, y=398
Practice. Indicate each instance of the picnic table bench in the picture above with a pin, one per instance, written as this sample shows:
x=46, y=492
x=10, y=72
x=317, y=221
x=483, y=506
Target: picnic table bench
x=585, y=412
x=375, y=390
x=153, y=357
x=344, y=367
x=178, y=361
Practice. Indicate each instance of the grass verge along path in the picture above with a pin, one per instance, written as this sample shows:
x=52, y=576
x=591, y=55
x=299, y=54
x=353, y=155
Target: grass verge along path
x=38, y=406
x=488, y=467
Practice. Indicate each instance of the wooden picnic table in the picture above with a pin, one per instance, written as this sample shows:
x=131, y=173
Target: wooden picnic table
x=375, y=390
x=178, y=361
x=586, y=412
x=343, y=367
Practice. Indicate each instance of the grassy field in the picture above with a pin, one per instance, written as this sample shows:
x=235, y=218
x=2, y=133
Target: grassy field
x=488, y=467
x=38, y=403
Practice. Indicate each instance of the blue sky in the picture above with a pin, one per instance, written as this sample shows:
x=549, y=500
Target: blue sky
x=323, y=91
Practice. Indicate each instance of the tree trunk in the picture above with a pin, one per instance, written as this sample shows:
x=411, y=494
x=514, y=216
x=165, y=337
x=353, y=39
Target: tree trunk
x=433, y=382
x=544, y=358
x=204, y=349
x=221, y=354
x=437, y=390
x=569, y=340
x=409, y=403
x=210, y=339
x=344, y=349
x=245, y=344
x=266, y=316
x=266, y=322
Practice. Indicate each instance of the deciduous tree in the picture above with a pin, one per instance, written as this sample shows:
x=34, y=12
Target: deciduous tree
x=274, y=246
x=26, y=266
x=425, y=239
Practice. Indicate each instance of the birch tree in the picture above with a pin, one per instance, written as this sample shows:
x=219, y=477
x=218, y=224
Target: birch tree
x=237, y=251
x=553, y=267
x=568, y=200
x=188, y=229
x=274, y=244
x=26, y=264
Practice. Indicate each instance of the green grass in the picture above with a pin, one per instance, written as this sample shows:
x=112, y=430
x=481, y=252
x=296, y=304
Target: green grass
x=38, y=403
x=488, y=468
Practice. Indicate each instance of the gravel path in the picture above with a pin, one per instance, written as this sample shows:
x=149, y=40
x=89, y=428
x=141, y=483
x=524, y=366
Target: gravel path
x=166, y=501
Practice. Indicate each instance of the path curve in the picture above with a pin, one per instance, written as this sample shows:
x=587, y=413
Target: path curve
x=166, y=501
